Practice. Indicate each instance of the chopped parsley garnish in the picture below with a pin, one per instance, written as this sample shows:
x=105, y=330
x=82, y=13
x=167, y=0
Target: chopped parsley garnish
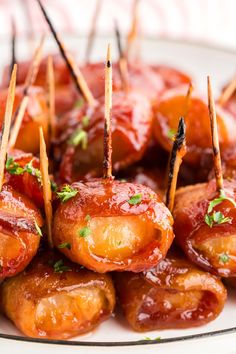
x=85, y=232
x=85, y=121
x=53, y=186
x=79, y=103
x=13, y=167
x=38, y=229
x=65, y=245
x=224, y=258
x=66, y=193
x=87, y=217
x=171, y=134
x=217, y=218
x=33, y=171
x=79, y=137
x=135, y=199
x=219, y=200
x=148, y=338
x=59, y=267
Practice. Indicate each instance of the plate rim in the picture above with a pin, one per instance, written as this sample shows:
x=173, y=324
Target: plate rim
x=119, y=344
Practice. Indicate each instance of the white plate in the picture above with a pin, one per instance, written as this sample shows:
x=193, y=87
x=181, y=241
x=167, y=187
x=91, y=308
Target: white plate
x=198, y=61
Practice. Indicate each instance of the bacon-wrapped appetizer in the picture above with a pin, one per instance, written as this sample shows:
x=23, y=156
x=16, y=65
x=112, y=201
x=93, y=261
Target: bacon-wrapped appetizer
x=36, y=115
x=82, y=131
x=141, y=77
x=174, y=294
x=112, y=225
x=149, y=177
x=23, y=175
x=56, y=299
x=173, y=104
x=205, y=226
x=62, y=76
x=19, y=218
x=20, y=233
x=205, y=216
x=171, y=76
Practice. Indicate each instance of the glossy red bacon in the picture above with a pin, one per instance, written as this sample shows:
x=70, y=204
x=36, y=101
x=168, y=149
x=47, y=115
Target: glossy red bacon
x=36, y=115
x=131, y=129
x=56, y=299
x=172, y=105
x=211, y=247
x=112, y=225
x=19, y=236
x=174, y=294
x=28, y=184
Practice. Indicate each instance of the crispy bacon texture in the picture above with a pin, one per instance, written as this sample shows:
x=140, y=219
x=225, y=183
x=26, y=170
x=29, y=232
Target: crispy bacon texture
x=36, y=115
x=171, y=76
x=18, y=233
x=153, y=178
x=212, y=248
x=109, y=232
x=62, y=76
x=26, y=183
x=141, y=78
x=174, y=294
x=46, y=301
x=131, y=129
x=172, y=105
x=66, y=94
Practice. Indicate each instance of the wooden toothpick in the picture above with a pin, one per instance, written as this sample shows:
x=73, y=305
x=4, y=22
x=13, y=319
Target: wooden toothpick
x=30, y=78
x=92, y=31
x=13, y=46
x=132, y=35
x=107, y=161
x=215, y=138
x=7, y=124
x=51, y=97
x=75, y=73
x=227, y=92
x=187, y=100
x=177, y=154
x=47, y=192
x=34, y=66
x=17, y=122
x=123, y=66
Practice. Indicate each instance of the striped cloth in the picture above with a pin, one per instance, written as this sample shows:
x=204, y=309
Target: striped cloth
x=211, y=21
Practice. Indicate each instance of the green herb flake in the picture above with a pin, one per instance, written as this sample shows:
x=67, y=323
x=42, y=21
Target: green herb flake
x=85, y=232
x=148, y=338
x=216, y=218
x=65, y=245
x=224, y=258
x=79, y=103
x=171, y=134
x=85, y=121
x=33, y=171
x=87, y=218
x=38, y=229
x=53, y=186
x=219, y=200
x=135, y=199
x=13, y=167
x=79, y=137
x=66, y=193
x=59, y=267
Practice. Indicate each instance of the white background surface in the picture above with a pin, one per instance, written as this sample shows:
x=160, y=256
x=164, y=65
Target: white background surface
x=212, y=21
